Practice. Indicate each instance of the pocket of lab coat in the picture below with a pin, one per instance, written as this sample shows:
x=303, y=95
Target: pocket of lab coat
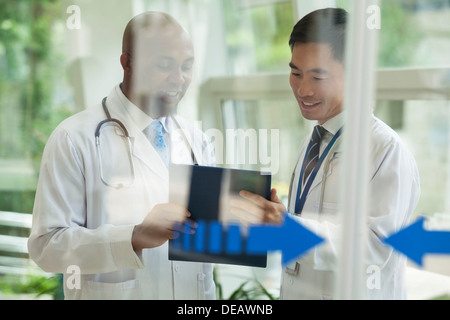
x=329, y=207
x=330, y=192
x=127, y=290
x=326, y=206
x=328, y=211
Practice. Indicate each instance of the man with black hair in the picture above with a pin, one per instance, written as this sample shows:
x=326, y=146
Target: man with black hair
x=317, y=80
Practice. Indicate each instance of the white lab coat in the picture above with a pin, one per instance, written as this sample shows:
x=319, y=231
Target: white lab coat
x=394, y=191
x=78, y=221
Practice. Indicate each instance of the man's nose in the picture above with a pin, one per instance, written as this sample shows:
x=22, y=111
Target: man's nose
x=305, y=90
x=177, y=77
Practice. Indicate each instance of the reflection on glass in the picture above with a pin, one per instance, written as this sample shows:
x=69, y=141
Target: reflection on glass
x=424, y=128
x=414, y=33
x=258, y=121
x=257, y=36
x=34, y=95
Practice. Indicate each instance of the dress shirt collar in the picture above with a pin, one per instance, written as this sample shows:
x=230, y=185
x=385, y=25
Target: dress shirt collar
x=334, y=124
x=139, y=117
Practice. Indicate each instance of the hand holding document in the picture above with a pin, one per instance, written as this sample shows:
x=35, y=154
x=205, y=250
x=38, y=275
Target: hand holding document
x=251, y=208
x=213, y=197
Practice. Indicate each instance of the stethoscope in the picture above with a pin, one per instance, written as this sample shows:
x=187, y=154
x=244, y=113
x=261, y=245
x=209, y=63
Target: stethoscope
x=121, y=130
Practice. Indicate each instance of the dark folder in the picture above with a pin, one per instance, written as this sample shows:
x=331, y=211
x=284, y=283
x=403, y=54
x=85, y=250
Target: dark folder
x=201, y=188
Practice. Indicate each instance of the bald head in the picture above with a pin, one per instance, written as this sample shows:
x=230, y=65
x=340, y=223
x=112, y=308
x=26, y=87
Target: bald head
x=148, y=25
x=157, y=58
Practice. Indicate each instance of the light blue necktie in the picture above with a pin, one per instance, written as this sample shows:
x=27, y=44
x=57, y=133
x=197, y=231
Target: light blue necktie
x=155, y=133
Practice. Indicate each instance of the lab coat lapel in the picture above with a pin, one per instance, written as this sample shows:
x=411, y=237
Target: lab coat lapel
x=192, y=140
x=143, y=150
x=319, y=177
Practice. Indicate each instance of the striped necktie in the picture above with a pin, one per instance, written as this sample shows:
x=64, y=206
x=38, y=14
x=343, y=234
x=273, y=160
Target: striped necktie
x=155, y=133
x=313, y=151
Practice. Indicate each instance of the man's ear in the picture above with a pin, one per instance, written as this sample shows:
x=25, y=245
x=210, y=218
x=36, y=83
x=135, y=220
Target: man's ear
x=125, y=61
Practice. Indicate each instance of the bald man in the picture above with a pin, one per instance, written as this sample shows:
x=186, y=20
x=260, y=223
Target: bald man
x=101, y=215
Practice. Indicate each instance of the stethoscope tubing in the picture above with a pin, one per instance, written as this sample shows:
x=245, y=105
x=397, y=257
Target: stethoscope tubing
x=109, y=119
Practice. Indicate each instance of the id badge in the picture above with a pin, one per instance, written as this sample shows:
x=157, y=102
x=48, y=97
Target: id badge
x=293, y=268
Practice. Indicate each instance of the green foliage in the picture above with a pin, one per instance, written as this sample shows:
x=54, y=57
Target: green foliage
x=30, y=284
x=26, y=73
x=399, y=36
x=442, y=297
x=249, y=289
x=17, y=201
x=260, y=35
x=273, y=51
x=28, y=69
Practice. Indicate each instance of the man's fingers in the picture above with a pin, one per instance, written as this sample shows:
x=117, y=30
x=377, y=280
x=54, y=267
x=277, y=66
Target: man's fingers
x=254, y=198
x=188, y=226
x=274, y=196
x=246, y=217
x=271, y=209
x=171, y=234
x=272, y=218
x=247, y=206
x=176, y=209
x=264, y=204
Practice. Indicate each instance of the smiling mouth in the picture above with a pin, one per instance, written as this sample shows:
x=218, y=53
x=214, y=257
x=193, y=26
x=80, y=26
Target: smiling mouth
x=308, y=105
x=170, y=94
x=170, y=97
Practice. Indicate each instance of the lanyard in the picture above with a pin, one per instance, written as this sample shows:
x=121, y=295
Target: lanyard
x=300, y=202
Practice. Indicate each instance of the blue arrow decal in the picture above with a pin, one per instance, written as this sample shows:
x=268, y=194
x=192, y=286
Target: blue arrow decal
x=291, y=238
x=414, y=241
